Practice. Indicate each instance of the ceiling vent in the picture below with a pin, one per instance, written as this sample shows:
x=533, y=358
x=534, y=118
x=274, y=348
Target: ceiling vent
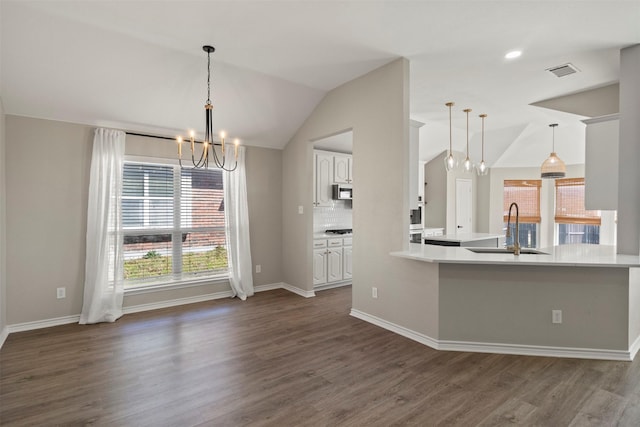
x=563, y=70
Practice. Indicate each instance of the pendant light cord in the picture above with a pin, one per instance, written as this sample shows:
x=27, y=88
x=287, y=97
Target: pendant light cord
x=482, y=115
x=208, y=77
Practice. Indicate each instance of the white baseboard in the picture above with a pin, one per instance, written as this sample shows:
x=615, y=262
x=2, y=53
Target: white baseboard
x=400, y=330
x=46, y=323
x=298, y=291
x=518, y=349
x=331, y=286
x=3, y=335
x=635, y=346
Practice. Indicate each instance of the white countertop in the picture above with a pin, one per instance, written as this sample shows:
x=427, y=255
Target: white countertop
x=331, y=235
x=579, y=255
x=465, y=237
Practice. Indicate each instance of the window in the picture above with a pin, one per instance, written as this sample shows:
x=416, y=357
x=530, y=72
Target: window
x=526, y=193
x=575, y=223
x=174, y=226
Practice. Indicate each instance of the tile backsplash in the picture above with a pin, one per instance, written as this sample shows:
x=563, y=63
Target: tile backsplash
x=339, y=215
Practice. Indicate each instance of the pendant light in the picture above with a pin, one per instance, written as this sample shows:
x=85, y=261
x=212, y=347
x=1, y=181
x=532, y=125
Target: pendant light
x=482, y=168
x=450, y=162
x=467, y=165
x=553, y=167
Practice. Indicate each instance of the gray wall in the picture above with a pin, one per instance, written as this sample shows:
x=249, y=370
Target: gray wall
x=3, y=229
x=512, y=304
x=46, y=216
x=376, y=107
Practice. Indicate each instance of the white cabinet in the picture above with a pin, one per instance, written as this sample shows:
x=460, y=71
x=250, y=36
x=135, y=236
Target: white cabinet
x=323, y=177
x=319, y=266
x=334, y=264
x=342, y=169
x=332, y=261
x=347, y=260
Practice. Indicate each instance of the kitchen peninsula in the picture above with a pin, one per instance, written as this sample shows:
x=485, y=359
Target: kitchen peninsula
x=466, y=240
x=572, y=301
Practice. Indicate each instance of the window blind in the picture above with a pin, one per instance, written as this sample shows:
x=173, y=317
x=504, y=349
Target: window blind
x=570, y=203
x=526, y=193
x=174, y=223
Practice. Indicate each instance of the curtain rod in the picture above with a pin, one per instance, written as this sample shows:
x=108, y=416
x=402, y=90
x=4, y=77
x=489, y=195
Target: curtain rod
x=165, y=137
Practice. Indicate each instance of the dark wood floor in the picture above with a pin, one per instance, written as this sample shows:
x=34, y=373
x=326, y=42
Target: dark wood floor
x=281, y=360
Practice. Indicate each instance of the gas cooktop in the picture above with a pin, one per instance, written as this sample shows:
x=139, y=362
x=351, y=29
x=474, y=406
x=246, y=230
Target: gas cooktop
x=340, y=231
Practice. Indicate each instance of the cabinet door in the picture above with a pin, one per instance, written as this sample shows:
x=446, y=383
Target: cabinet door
x=347, y=261
x=341, y=170
x=334, y=265
x=350, y=169
x=324, y=175
x=319, y=266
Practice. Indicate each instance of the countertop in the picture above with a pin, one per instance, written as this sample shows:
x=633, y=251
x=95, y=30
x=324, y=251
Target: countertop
x=578, y=255
x=465, y=237
x=330, y=235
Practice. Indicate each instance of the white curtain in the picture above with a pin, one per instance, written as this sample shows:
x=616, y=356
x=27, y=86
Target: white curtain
x=236, y=214
x=103, y=283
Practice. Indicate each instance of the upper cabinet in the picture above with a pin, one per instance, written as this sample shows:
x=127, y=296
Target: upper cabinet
x=601, y=163
x=342, y=169
x=323, y=178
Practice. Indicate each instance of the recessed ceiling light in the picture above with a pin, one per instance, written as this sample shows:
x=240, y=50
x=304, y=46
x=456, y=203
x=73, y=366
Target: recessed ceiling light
x=513, y=54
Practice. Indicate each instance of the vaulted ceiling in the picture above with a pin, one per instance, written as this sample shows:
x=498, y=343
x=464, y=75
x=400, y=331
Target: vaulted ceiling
x=139, y=65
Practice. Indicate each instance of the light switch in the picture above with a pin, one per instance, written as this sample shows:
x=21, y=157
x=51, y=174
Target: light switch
x=300, y=209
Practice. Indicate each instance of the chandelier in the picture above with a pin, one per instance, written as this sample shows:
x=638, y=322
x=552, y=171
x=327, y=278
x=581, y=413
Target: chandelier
x=201, y=160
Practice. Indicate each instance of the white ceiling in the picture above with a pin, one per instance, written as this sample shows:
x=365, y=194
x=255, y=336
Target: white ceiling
x=139, y=65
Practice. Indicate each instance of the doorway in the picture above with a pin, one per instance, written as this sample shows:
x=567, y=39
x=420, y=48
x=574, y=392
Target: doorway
x=464, y=205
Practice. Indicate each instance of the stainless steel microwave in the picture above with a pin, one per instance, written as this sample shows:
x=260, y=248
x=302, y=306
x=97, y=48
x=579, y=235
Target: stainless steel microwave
x=342, y=192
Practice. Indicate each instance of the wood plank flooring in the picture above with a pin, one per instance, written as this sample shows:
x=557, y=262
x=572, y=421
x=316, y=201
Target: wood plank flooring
x=281, y=360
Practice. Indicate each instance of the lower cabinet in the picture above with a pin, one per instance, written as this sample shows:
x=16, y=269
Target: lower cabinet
x=347, y=261
x=331, y=264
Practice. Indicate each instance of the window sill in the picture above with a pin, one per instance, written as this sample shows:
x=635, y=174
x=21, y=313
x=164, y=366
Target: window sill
x=189, y=283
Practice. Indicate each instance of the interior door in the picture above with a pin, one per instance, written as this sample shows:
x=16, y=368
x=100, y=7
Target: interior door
x=464, y=205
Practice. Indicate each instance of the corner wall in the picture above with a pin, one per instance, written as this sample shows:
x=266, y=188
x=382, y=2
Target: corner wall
x=46, y=217
x=3, y=230
x=376, y=107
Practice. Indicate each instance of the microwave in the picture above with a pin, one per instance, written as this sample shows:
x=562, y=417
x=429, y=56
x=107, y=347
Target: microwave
x=342, y=192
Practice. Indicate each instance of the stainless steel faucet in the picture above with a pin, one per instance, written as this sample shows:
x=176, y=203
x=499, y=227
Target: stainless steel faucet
x=516, y=239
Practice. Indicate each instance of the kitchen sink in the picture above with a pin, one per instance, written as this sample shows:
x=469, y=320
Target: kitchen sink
x=523, y=251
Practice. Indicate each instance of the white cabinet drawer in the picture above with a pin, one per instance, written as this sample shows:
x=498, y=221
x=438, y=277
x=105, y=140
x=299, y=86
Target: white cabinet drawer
x=347, y=241
x=334, y=243
x=319, y=244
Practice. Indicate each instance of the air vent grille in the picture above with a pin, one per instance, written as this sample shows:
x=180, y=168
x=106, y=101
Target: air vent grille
x=563, y=70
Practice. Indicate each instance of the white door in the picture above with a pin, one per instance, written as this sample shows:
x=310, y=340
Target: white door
x=464, y=206
x=319, y=266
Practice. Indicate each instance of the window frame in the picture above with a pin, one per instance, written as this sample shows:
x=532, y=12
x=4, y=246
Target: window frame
x=171, y=281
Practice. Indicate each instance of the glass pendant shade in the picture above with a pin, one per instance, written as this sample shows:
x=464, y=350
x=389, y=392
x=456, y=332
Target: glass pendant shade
x=553, y=167
x=450, y=162
x=467, y=165
x=482, y=168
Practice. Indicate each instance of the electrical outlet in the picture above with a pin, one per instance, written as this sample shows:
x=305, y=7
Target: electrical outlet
x=61, y=293
x=374, y=292
x=300, y=209
x=556, y=316
x=258, y=268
